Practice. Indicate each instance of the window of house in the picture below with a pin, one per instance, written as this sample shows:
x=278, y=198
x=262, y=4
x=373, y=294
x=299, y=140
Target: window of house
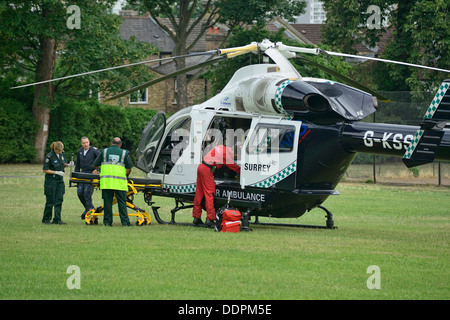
x=139, y=96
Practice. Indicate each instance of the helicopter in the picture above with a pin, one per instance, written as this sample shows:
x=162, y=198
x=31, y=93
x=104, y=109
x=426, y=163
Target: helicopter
x=294, y=137
x=298, y=136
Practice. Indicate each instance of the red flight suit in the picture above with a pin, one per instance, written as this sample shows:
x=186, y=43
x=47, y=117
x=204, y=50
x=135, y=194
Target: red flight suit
x=218, y=156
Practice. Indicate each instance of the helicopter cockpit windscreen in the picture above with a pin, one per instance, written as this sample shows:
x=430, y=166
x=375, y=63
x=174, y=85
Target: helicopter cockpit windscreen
x=150, y=139
x=173, y=145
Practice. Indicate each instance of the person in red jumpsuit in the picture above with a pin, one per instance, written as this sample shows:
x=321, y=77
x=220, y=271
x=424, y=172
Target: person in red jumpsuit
x=219, y=156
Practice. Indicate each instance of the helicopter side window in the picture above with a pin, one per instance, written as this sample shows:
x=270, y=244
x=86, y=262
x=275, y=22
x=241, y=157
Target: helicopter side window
x=173, y=145
x=271, y=139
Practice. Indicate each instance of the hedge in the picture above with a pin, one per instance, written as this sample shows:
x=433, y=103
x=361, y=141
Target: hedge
x=70, y=120
x=17, y=128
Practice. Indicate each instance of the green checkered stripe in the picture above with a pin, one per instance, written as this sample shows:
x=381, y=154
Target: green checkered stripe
x=289, y=115
x=181, y=188
x=428, y=115
x=266, y=183
x=413, y=144
x=436, y=101
x=278, y=94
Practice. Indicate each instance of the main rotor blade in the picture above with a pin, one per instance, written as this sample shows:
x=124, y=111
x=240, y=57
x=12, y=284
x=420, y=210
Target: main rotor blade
x=118, y=67
x=384, y=60
x=343, y=78
x=167, y=76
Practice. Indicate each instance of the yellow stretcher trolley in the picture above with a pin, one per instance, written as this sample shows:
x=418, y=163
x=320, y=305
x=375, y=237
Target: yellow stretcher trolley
x=135, y=185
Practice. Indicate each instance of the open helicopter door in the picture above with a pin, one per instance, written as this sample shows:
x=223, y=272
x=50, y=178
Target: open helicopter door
x=269, y=155
x=149, y=143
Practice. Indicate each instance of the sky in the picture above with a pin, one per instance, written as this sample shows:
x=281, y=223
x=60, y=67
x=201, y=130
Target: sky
x=118, y=5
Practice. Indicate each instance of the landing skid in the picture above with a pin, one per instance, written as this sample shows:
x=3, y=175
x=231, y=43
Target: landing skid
x=178, y=206
x=329, y=222
x=245, y=219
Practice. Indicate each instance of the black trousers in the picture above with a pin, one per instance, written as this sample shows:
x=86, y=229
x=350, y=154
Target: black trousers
x=108, y=198
x=54, y=193
x=84, y=192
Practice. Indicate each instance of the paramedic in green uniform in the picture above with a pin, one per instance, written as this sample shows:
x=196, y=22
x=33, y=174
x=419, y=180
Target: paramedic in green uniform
x=54, y=188
x=115, y=164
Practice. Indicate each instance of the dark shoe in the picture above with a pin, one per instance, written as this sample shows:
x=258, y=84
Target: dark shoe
x=197, y=221
x=46, y=222
x=58, y=222
x=210, y=224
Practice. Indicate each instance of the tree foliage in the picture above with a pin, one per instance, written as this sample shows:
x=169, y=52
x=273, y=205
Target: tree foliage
x=16, y=123
x=237, y=13
x=37, y=43
x=420, y=35
x=99, y=122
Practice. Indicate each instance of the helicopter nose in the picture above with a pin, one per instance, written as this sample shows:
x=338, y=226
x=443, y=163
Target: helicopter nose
x=300, y=96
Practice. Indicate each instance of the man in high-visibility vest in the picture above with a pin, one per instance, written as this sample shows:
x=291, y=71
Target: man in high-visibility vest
x=115, y=166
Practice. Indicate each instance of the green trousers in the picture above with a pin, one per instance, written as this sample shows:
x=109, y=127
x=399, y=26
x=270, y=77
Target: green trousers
x=54, y=193
x=108, y=197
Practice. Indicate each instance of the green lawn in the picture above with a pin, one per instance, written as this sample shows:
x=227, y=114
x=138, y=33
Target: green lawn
x=402, y=230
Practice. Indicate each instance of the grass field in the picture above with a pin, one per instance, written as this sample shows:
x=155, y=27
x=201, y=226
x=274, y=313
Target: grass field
x=404, y=231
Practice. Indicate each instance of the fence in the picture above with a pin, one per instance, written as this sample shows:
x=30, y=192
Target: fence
x=437, y=173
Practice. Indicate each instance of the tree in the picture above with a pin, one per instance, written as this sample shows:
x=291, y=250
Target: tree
x=185, y=15
x=41, y=39
x=419, y=35
x=427, y=23
x=347, y=23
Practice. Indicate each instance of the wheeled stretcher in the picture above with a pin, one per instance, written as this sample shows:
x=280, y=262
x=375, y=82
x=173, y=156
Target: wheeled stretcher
x=135, y=185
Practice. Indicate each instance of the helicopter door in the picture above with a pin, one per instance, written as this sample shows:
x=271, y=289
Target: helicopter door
x=270, y=154
x=150, y=140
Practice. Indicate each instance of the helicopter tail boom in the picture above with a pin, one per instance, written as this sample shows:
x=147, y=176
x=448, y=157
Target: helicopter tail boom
x=393, y=140
x=417, y=145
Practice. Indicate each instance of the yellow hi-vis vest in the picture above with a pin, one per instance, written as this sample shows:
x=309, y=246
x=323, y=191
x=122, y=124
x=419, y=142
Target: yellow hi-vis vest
x=113, y=174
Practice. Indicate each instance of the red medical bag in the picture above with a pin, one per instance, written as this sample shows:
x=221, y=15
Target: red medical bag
x=231, y=220
x=228, y=219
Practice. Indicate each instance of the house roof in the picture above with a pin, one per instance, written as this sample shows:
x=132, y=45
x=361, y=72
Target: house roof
x=145, y=29
x=310, y=31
